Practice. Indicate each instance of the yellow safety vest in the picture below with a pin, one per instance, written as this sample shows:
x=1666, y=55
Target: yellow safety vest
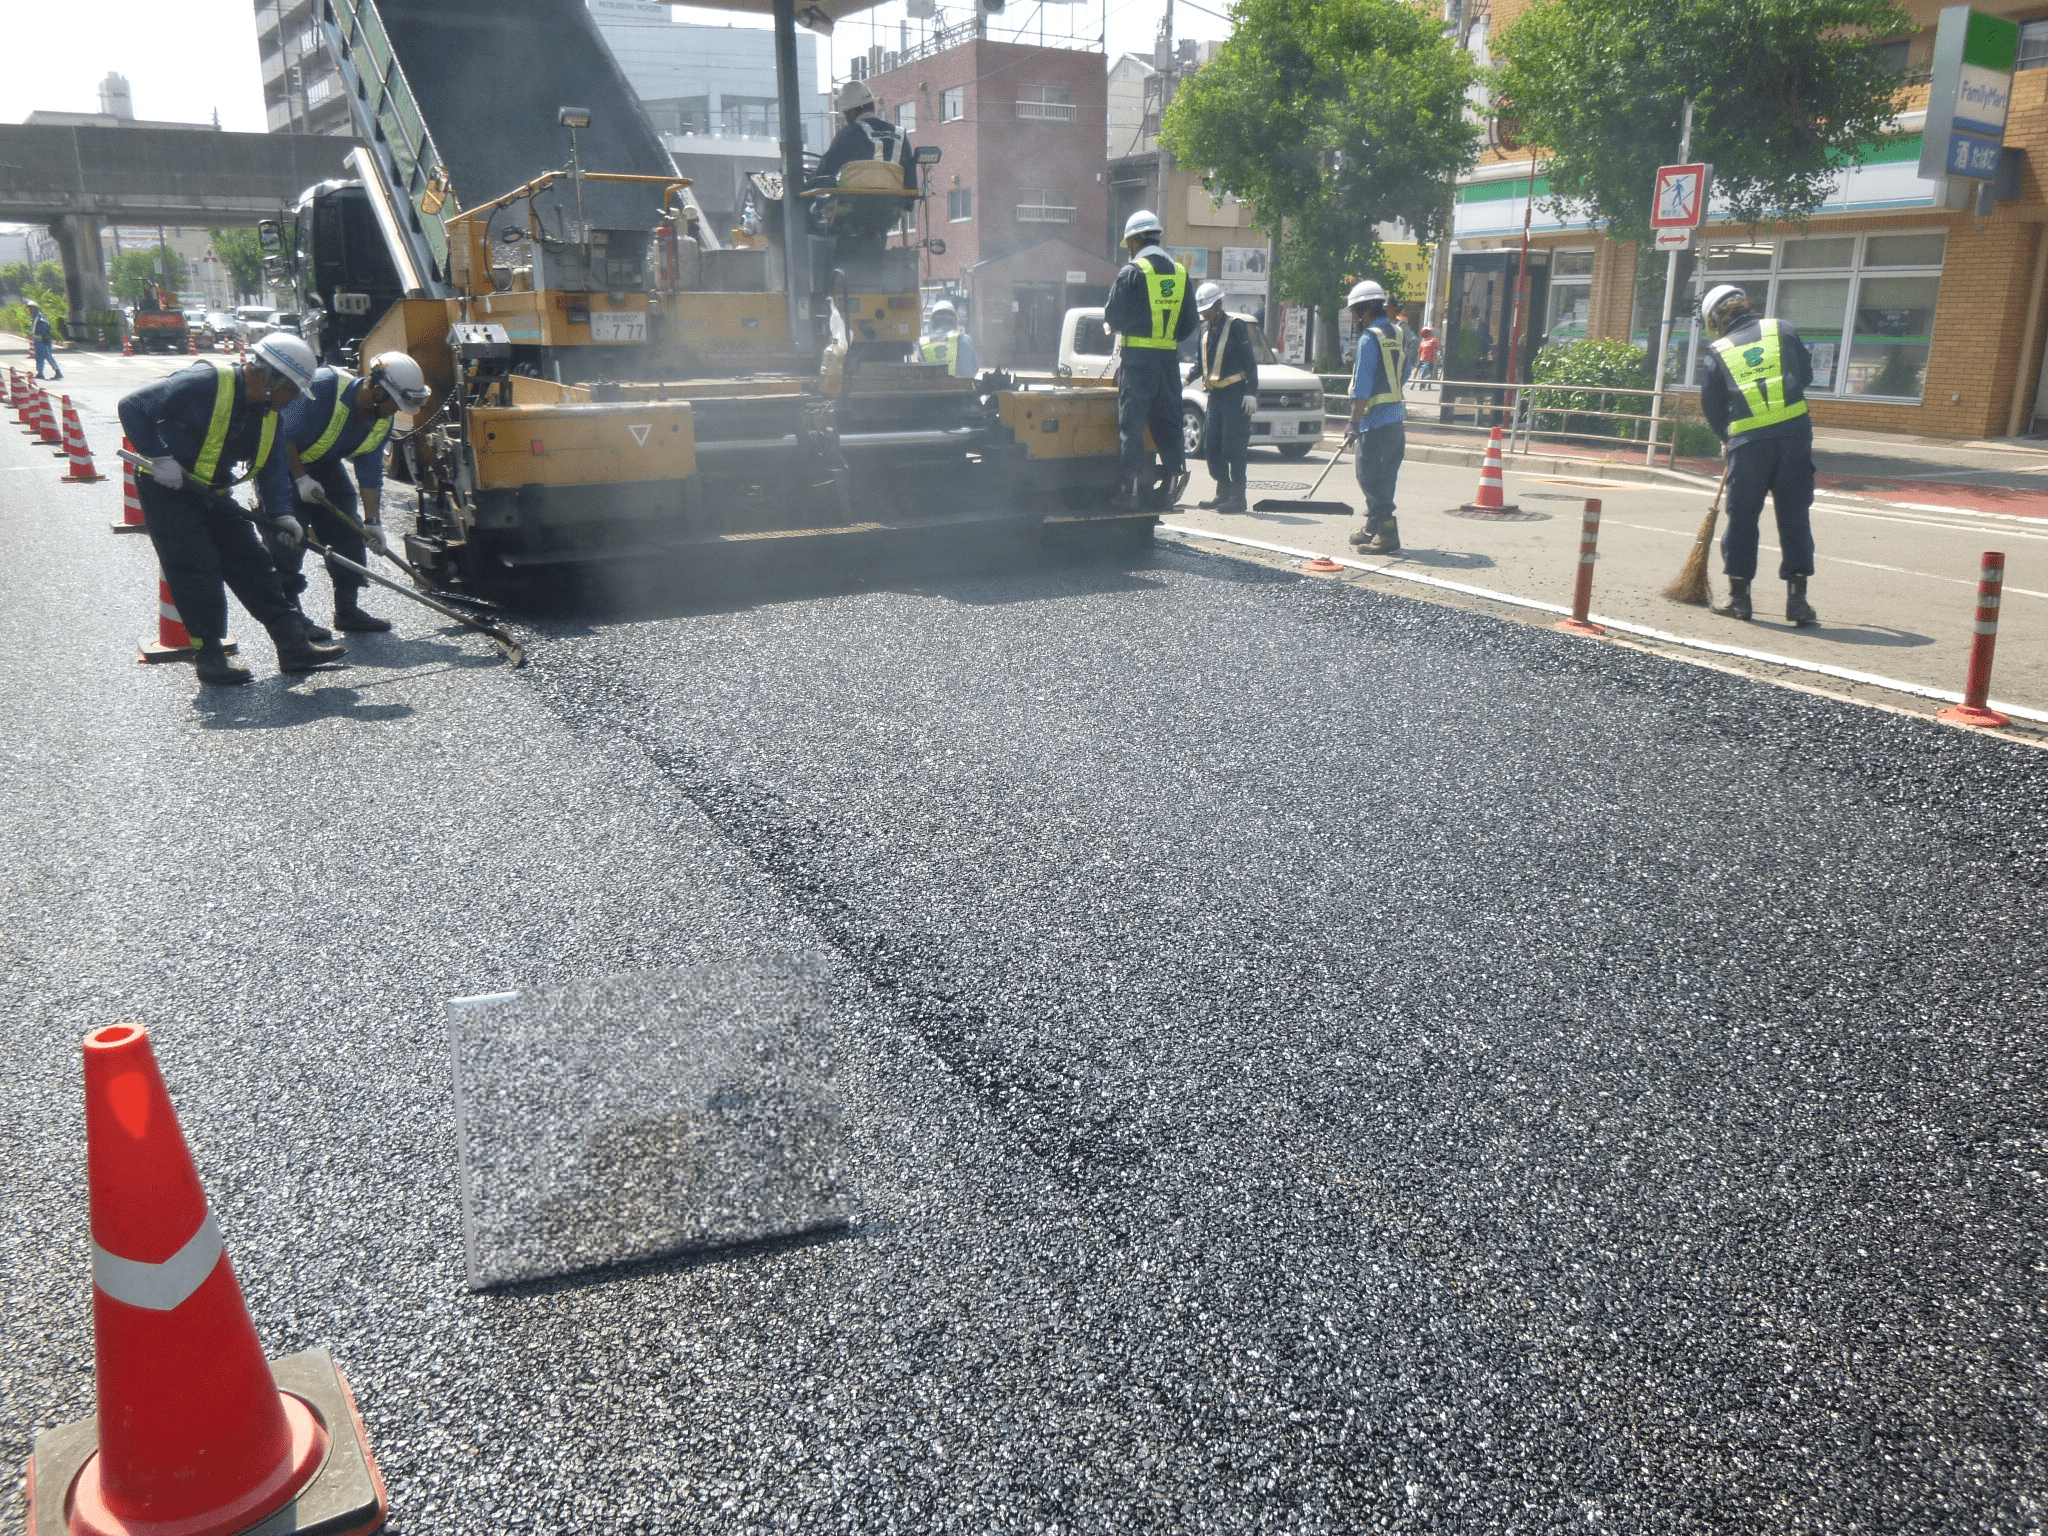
x=947, y=351
x=1213, y=347
x=1390, y=365
x=1166, y=291
x=339, y=420
x=224, y=385
x=1759, y=373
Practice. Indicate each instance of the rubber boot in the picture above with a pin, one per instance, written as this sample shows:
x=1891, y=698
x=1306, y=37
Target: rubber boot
x=1235, y=501
x=1797, y=608
x=297, y=653
x=1387, y=541
x=215, y=666
x=351, y=618
x=1737, y=606
x=1220, y=502
x=313, y=631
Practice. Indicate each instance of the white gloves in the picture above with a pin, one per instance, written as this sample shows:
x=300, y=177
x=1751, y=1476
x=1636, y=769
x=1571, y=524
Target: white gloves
x=1251, y=405
x=167, y=472
x=308, y=488
x=373, y=536
x=289, y=531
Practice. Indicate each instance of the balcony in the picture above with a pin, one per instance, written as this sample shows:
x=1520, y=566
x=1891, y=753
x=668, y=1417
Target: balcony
x=1045, y=211
x=1046, y=111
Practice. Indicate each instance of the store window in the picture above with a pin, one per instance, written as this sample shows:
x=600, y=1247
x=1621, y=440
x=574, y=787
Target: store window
x=1571, y=297
x=953, y=104
x=960, y=205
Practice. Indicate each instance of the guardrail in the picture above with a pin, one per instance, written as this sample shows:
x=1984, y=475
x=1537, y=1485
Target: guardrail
x=1592, y=415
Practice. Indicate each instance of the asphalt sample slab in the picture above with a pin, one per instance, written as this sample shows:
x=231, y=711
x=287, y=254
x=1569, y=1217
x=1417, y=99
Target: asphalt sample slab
x=1311, y=1060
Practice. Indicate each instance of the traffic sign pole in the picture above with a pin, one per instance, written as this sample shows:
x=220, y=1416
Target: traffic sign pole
x=1670, y=297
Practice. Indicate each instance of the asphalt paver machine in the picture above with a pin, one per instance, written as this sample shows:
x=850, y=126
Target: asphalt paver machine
x=617, y=381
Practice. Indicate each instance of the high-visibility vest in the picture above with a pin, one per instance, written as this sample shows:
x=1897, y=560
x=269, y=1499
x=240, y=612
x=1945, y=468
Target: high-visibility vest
x=1390, y=366
x=1214, y=344
x=946, y=351
x=1166, y=291
x=1758, y=369
x=225, y=382
x=336, y=423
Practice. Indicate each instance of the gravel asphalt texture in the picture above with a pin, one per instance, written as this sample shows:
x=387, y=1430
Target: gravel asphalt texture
x=1310, y=1060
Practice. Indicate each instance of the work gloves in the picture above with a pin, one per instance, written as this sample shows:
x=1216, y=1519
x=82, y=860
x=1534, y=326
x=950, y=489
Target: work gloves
x=373, y=537
x=167, y=472
x=308, y=489
x=290, y=532
x=1251, y=405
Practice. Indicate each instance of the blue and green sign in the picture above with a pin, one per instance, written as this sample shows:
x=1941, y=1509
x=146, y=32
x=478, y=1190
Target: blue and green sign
x=1969, y=95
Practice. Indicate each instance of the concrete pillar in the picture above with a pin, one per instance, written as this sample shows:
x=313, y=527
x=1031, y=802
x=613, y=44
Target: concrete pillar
x=85, y=267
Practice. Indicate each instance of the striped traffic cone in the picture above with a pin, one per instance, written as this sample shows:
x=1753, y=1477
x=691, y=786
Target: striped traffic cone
x=22, y=400
x=82, y=471
x=1492, y=493
x=127, y=343
x=197, y=1433
x=46, y=421
x=131, y=497
x=192, y=343
x=173, y=642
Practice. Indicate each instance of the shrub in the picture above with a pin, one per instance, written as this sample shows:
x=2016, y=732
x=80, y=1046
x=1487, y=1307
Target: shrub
x=1599, y=366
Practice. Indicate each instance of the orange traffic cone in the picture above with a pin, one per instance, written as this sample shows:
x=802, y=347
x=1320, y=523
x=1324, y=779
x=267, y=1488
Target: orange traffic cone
x=24, y=401
x=46, y=421
x=197, y=1434
x=127, y=343
x=192, y=343
x=82, y=471
x=131, y=497
x=1492, y=493
x=173, y=641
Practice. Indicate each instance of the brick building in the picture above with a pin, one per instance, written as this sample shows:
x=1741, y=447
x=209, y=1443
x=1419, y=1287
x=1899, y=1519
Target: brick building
x=1923, y=317
x=1021, y=194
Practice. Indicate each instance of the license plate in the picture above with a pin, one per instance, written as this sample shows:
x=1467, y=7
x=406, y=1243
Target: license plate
x=617, y=325
x=1283, y=429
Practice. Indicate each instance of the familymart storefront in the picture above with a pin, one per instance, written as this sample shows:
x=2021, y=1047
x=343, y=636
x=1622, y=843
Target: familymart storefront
x=1917, y=316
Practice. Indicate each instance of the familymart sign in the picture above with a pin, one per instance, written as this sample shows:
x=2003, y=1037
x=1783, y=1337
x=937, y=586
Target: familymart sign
x=1969, y=95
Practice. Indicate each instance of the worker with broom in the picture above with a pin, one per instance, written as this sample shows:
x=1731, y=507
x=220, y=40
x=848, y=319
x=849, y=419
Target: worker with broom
x=1378, y=417
x=1229, y=371
x=1754, y=397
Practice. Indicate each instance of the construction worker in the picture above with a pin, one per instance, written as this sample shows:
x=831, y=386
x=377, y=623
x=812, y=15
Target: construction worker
x=1148, y=308
x=40, y=341
x=342, y=423
x=866, y=135
x=1377, y=417
x=860, y=221
x=1229, y=371
x=194, y=427
x=944, y=342
x=1754, y=397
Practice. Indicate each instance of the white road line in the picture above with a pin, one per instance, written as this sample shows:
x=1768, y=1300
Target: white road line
x=1845, y=674
x=1868, y=565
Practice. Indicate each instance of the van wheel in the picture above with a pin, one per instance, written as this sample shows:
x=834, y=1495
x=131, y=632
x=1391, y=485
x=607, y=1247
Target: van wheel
x=1191, y=430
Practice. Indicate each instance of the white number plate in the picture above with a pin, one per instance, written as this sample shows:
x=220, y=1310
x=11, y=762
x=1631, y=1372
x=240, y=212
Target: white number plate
x=1283, y=429
x=617, y=325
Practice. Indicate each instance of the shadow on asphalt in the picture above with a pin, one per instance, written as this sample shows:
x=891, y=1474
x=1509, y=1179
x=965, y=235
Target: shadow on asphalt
x=1447, y=559
x=275, y=703
x=1850, y=634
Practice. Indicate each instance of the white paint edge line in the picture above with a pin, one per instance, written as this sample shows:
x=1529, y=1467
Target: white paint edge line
x=1844, y=674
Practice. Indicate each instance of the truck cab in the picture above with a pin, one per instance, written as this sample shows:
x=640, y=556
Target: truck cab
x=1290, y=415
x=328, y=252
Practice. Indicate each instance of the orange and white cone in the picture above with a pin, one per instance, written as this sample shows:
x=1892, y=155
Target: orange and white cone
x=82, y=471
x=131, y=498
x=127, y=343
x=1492, y=493
x=46, y=422
x=192, y=343
x=173, y=641
x=196, y=1435
x=24, y=403
x=16, y=399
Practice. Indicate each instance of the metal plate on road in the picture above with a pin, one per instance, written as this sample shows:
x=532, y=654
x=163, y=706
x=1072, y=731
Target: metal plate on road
x=658, y=1113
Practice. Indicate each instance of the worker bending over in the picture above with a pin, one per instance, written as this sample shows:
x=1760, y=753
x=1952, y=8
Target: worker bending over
x=1378, y=417
x=194, y=427
x=1229, y=371
x=344, y=422
x=946, y=343
x=1148, y=308
x=1754, y=397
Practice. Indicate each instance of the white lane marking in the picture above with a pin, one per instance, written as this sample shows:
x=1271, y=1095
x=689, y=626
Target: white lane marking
x=1845, y=674
x=1868, y=565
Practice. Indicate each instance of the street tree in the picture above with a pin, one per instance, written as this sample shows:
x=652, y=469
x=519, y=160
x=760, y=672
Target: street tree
x=1783, y=93
x=1330, y=118
x=15, y=277
x=128, y=272
x=242, y=254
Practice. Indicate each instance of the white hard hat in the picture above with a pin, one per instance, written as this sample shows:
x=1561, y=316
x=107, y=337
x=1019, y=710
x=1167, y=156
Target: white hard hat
x=288, y=357
x=1143, y=222
x=1717, y=296
x=854, y=93
x=1207, y=294
x=945, y=307
x=1367, y=292
x=399, y=377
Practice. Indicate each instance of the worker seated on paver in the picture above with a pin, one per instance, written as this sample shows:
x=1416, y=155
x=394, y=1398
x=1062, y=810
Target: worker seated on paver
x=344, y=423
x=868, y=158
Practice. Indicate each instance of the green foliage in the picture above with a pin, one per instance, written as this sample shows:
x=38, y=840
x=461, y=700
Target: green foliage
x=16, y=276
x=242, y=254
x=1784, y=93
x=15, y=317
x=1330, y=117
x=50, y=275
x=1598, y=367
x=129, y=271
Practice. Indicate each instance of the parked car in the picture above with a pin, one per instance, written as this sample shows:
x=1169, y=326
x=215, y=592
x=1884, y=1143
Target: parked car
x=200, y=323
x=1290, y=415
x=252, y=320
x=222, y=323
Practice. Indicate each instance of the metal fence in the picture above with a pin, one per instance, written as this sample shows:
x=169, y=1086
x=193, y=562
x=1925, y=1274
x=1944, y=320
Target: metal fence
x=1567, y=415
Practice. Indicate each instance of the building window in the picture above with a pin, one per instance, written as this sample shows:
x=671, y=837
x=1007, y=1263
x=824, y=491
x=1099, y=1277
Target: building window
x=1042, y=205
x=953, y=104
x=1045, y=103
x=960, y=205
x=750, y=117
x=680, y=114
x=906, y=117
x=1571, y=297
x=2034, y=44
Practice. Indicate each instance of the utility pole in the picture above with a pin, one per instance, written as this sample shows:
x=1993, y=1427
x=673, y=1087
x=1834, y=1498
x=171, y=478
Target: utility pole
x=1670, y=297
x=1167, y=72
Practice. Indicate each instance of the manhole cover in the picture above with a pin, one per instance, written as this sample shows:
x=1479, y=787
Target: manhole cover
x=1278, y=485
x=1517, y=516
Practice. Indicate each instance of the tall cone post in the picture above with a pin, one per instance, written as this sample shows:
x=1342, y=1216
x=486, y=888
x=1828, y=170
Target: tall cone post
x=197, y=1434
x=81, y=471
x=1492, y=493
x=131, y=498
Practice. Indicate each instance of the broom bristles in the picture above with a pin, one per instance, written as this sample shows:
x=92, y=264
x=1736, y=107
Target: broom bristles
x=1692, y=586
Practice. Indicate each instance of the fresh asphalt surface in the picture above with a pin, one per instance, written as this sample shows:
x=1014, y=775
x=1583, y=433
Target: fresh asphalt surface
x=1313, y=1060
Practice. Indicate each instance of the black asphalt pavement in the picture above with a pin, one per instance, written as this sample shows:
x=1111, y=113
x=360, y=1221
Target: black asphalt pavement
x=1312, y=1060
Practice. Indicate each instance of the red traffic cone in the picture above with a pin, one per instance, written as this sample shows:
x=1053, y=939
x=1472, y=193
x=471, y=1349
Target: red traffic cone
x=82, y=471
x=24, y=403
x=197, y=1434
x=14, y=395
x=131, y=498
x=127, y=343
x=46, y=421
x=1492, y=493
x=173, y=641
x=192, y=343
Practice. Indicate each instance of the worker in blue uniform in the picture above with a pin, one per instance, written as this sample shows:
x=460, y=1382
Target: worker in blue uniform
x=1378, y=417
x=194, y=427
x=944, y=342
x=1148, y=308
x=343, y=424
x=1229, y=370
x=1753, y=395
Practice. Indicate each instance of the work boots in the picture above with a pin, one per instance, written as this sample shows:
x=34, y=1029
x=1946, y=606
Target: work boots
x=296, y=652
x=213, y=666
x=1737, y=606
x=1797, y=608
x=1378, y=537
x=349, y=617
x=313, y=631
x=1220, y=502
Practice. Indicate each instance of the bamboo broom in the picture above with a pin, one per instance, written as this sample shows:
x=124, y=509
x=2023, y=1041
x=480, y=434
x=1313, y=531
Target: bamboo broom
x=1692, y=585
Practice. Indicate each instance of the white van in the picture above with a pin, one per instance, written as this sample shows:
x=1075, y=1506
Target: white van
x=1290, y=416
